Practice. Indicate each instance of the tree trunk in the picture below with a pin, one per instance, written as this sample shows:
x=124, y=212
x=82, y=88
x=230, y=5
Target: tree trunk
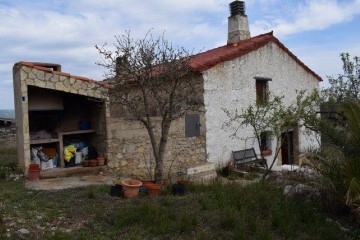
x=165, y=127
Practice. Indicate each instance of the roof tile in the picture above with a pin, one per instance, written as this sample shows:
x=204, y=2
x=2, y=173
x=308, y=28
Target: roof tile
x=206, y=60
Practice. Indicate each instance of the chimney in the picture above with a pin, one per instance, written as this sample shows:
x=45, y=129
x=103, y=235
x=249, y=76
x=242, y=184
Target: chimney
x=238, y=25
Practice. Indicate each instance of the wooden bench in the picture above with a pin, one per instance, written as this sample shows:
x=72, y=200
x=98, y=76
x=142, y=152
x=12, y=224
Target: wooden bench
x=247, y=156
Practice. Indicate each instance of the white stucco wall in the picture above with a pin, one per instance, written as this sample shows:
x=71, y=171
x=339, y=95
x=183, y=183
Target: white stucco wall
x=231, y=85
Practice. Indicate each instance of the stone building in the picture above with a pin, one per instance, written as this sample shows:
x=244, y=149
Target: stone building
x=230, y=77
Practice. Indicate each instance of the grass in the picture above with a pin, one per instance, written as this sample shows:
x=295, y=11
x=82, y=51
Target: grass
x=257, y=211
x=8, y=155
x=8, y=161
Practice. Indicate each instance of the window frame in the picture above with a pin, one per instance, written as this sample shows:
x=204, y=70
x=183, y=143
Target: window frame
x=265, y=141
x=262, y=90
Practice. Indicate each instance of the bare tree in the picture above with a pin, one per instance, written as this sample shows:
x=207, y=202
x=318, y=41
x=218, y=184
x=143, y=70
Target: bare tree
x=150, y=77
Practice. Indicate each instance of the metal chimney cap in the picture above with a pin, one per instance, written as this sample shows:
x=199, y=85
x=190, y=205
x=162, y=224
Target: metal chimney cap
x=237, y=8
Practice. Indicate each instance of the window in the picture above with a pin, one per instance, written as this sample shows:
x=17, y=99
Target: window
x=192, y=125
x=265, y=141
x=262, y=91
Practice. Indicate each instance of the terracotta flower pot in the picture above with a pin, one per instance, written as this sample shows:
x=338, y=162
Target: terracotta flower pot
x=131, y=187
x=154, y=189
x=146, y=182
x=86, y=163
x=93, y=162
x=101, y=161
x=266, y=152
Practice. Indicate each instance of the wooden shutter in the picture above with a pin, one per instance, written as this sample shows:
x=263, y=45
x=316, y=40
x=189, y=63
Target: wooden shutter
x=192, y=125
x=261, y=92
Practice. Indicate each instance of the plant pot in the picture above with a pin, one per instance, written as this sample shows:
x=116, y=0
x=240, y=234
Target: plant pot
x=143, y=190
x=101, y=161
x=266, y=152
x=34, y=167
x=34, y=172
x=70, y=163
x=183, y=182
x=86, y=163
x=146, y=182
x=178, y=189
x=116, y=190
x=154, y=189
x=131, y=187
x=93, y=162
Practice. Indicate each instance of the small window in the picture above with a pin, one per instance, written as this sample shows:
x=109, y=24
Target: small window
x=192, y=125
x=265, y=141
x=262, y=90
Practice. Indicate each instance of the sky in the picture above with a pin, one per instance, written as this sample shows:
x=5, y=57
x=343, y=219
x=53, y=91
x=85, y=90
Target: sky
x=66, y=31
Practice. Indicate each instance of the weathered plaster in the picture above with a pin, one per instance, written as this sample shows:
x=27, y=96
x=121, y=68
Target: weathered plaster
x=231, y=85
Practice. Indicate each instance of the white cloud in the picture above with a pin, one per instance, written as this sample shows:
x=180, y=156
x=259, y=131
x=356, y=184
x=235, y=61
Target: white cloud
x=66, y=31
x=309, y=15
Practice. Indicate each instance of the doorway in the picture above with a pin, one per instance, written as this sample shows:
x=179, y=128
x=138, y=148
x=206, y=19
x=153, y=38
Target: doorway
x=287, y=147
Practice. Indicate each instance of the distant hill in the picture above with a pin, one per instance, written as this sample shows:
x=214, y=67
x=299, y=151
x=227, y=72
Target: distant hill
x=7, y=113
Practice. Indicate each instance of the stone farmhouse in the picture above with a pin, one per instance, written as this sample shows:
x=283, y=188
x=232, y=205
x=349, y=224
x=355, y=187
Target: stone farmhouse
x=233, y=76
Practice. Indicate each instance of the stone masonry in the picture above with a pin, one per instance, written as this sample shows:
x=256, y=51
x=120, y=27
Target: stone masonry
x=29, y=74
x=124, y=141
x=129, y=148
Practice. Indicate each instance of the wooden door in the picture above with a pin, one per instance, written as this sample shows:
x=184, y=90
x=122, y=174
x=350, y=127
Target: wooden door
x=287, y=147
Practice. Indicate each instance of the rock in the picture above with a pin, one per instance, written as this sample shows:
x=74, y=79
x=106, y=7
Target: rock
x=22, y=233
x=287, y=189
x=301, y=191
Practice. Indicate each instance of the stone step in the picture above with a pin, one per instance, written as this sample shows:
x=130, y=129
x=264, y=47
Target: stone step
x=201, y=173
x=72, y=171
x=203, y=167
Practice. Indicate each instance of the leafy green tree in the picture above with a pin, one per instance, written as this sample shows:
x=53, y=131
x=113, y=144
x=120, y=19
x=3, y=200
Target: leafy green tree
x=338, y=159
x=346, y=87
x=275, y=116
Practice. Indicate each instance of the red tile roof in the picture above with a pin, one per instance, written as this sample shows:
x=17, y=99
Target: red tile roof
x=206, y=60
x=50, y=70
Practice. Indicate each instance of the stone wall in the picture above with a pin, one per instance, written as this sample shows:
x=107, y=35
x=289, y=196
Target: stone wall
x=27, y=74
x=129, y=149
x=60, y=81
x=8, y=137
